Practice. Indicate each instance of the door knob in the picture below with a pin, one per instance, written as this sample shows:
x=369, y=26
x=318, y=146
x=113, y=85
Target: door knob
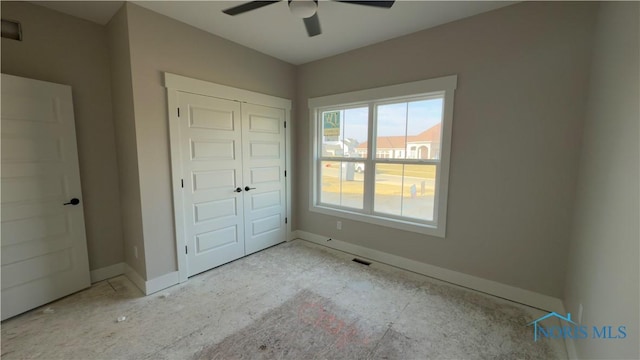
x=246, y=188
x=238, y=190
x=73, y=201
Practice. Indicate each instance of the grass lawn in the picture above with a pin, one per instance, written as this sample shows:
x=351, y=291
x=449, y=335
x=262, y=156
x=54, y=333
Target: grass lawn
x=414, y=174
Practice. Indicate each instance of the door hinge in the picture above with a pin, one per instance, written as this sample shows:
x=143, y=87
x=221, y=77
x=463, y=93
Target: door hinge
x=178, y=112
x=182, y=182
x=285, y=124
x=186, y=249
x=285, y=173
x=286, y=220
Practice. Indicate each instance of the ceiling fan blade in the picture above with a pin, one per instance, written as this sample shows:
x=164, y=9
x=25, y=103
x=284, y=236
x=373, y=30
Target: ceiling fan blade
x=252, y=5
x=313, y=25
x=381, y=4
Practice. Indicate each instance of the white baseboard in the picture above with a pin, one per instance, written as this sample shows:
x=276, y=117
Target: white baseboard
x=154, y=285
x=162, y=282
x=508, y=292
x=107, y=272
x=135, y=278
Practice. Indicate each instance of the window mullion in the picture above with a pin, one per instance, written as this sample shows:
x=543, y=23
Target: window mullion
x=369, y=168
x=436, y=196
x=318, y=157
x=409, y=161
x=406, y=131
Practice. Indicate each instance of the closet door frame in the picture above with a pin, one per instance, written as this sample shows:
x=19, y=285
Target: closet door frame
x=177, y=83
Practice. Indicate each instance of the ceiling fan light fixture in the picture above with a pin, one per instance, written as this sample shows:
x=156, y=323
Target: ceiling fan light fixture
x=303, y=8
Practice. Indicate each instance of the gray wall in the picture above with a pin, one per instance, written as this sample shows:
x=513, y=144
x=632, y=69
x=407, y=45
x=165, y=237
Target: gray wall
x=126, y=145
x=603, y=272
x=66, y=50
x=158, y=44
x=522, y=80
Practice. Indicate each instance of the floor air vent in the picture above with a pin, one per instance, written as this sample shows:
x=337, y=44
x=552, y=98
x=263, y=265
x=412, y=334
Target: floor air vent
x=360, y=261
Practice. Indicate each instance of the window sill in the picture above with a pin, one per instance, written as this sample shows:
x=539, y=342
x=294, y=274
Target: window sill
x=425, y=229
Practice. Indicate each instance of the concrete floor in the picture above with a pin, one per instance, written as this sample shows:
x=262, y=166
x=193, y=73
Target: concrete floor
x=393, y=314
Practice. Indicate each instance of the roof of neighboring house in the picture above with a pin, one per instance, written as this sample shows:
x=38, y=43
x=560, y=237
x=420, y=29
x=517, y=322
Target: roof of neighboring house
x=397, y=142
x=388, y=142
x=431, y=134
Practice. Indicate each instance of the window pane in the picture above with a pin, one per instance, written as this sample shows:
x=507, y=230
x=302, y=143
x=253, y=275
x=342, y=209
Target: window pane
x=388, y=191
x=405, y=190
x=409, y=130
x=352, y=186
x=424, y=122
x=341, y=184
x=343, y=130
x=391, y=130
x=419, y=191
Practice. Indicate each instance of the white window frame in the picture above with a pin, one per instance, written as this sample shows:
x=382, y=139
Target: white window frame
x=444, y=86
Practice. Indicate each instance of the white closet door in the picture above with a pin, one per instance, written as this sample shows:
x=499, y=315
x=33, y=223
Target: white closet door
x=211, y=151
x=263, y=143
x=44, y=248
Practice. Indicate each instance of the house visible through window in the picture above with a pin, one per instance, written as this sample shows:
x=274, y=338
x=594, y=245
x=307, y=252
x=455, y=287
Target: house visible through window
x=382, y=155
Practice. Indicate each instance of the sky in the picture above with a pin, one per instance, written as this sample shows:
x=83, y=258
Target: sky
x=392, y=119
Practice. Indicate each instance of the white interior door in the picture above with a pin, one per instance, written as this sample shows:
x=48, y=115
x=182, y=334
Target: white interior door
x=211, y=151
x=263, y=142
x=44, y=249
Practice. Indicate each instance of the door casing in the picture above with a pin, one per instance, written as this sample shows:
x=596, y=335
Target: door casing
x=177, y=83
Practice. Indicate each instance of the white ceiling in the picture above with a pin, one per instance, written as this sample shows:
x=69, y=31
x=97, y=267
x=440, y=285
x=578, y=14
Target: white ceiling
x=273, y=30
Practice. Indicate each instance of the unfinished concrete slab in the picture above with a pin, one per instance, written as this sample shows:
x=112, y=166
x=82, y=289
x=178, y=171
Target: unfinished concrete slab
x=296, y=300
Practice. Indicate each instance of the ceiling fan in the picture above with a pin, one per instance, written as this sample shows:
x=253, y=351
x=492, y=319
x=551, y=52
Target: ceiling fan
x=305, y=9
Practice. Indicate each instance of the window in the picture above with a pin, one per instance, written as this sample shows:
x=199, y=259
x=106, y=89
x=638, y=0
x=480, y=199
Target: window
x=382, y=155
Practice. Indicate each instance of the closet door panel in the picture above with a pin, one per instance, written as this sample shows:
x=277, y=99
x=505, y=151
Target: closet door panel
x=263, y=144
x=211, y=152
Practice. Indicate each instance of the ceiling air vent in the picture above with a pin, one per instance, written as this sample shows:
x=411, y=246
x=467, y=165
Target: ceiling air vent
x=11, y=30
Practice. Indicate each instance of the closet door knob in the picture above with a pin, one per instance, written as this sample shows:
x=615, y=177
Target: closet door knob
x=246, y=188
x=238, y=189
